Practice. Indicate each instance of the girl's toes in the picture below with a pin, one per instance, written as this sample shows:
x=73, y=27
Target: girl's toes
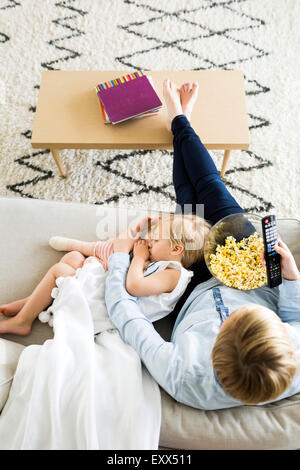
x=6, y=311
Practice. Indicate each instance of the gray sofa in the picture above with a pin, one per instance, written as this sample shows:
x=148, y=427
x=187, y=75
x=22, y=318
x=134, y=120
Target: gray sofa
x=27, y=225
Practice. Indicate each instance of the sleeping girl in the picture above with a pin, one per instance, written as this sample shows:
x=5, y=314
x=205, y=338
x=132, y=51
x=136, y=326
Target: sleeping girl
x=158, y=274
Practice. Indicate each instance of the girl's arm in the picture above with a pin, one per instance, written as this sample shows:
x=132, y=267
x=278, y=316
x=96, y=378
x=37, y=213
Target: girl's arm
x=138, y=285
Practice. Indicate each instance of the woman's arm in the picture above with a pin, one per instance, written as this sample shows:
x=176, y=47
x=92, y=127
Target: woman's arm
x=288, y=308
x=159, y=283
x=289, y=290
x=163, y=359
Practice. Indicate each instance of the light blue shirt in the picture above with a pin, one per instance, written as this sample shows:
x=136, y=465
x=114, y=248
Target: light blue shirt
x=183, y=366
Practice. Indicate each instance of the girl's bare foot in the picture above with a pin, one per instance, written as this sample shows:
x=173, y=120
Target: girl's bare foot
x=9, y=310
x=172, y=99
x=15, y=326
x=188, y=96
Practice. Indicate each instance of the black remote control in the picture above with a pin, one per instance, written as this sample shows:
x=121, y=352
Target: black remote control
x=269, y=229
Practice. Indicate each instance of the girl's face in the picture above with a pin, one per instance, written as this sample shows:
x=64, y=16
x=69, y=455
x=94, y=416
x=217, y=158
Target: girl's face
x=159, y=244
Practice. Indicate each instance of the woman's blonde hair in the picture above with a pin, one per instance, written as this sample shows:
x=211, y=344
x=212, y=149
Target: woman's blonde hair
x=253, y=357
x=189, y=231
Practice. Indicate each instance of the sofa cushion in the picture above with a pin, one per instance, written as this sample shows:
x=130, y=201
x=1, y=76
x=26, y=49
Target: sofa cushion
x=26, y=255
x=273, y=426
x=9, y=356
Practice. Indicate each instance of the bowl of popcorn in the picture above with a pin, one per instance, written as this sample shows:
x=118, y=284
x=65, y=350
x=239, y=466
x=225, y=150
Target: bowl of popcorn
x=233, y=250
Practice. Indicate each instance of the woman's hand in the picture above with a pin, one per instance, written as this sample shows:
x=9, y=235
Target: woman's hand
x=289, y=268
x=141, y=250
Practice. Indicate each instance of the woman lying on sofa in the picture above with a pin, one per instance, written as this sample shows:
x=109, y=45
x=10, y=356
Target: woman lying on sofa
x=228, y=347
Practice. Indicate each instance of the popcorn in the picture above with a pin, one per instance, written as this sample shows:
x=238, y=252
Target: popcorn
x=238, y=265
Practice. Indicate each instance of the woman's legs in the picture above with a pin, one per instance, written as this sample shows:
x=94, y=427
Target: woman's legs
x=202, y=172
x=41, y=298
x=185, y=193
x=193, y=166
x=186, y=197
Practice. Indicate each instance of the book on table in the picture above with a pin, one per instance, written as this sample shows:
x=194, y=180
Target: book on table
x=128, y=97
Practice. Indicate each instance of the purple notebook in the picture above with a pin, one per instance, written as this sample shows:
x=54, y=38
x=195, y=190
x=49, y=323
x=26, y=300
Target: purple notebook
x=129, y=99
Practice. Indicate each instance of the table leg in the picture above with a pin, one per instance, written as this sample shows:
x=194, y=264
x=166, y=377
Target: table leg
x=58, y=162
x=225, y=162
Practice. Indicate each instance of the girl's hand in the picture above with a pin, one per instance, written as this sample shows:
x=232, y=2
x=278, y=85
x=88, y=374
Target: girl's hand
x=140, y=250
x=145, y=223
x=124, y=245
x=289, y=268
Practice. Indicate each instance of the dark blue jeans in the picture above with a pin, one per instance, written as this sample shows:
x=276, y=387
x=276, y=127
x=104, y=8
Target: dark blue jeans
x=197, y=181
x=195, y=177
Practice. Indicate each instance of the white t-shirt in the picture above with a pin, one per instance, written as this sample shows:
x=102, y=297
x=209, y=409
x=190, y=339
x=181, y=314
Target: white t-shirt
x=155, y=307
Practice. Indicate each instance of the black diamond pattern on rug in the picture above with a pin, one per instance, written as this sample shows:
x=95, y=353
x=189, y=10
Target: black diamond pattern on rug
x=190, y=43
x=65, y=32
x=141, y=186
x=199, y=34
x=69, y=32
x=5, y=5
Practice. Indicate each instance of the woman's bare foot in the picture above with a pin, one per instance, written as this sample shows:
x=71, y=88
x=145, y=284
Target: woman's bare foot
x=9, y=310
x=15, y=325
x=188, y=96
x=172, y=99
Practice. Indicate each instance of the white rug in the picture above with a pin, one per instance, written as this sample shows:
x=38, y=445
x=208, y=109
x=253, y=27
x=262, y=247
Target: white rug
x=260, y=37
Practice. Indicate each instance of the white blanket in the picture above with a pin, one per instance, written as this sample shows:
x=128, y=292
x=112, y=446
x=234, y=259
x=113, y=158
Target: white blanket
x=80, y=392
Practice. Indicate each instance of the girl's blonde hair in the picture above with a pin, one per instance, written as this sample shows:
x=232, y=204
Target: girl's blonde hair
x=189, y=231
x=253, y=357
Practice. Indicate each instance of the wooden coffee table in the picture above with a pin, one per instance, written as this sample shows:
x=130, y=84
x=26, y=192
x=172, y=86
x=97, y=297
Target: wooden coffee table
x=68, y=114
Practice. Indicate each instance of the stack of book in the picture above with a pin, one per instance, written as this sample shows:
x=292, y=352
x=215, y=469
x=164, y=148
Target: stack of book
x=128, y=97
